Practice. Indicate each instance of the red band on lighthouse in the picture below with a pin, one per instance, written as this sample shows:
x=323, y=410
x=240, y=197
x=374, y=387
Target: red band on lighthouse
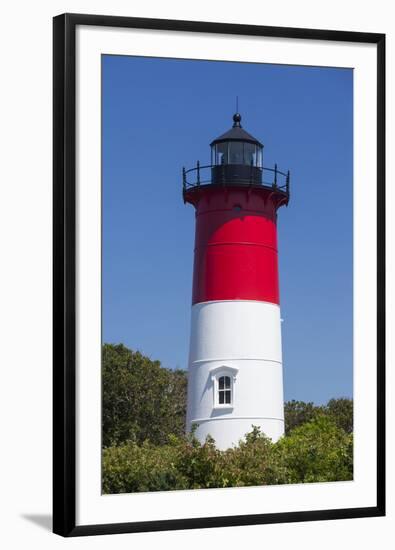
x=235, y=245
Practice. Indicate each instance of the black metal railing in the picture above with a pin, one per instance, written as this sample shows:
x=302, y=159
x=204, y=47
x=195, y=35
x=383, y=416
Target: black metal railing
x=232, y=174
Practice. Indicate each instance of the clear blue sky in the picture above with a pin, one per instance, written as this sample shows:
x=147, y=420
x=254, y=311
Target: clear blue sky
x=161, y=114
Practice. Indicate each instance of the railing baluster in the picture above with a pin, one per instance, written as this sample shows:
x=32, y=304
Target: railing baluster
x=276, y=184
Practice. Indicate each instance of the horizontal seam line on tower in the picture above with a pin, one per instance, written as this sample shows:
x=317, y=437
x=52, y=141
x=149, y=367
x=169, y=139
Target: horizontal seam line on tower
x=236, y=359
x=236, y=242
x=237, y=300
x=209, y=418
x=244, y=210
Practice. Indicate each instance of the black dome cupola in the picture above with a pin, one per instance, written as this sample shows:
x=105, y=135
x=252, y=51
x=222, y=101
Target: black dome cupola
x=236, y=156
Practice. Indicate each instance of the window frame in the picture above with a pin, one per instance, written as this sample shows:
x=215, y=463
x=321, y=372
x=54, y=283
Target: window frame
x=257, y=153
x=226, y=390
x=216, y=374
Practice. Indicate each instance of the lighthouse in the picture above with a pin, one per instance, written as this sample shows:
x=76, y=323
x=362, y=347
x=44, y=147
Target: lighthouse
x=235, y=373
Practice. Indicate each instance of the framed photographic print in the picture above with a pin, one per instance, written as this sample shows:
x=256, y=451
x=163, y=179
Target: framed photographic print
x=201, y=172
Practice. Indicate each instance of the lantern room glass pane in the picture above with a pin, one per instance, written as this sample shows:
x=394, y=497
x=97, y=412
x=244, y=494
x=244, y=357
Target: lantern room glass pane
x=259, y=155
x=250, y=154
x=220, y=153
x=236, y=153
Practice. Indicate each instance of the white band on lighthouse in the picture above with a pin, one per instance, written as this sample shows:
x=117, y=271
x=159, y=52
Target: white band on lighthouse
x=235, y=370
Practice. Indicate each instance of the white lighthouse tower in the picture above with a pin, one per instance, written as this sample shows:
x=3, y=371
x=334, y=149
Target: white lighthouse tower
x=235, y=378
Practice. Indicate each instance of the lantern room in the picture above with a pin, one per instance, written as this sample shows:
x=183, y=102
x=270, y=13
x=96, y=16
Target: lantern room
x=236, y=156
x=236, y=160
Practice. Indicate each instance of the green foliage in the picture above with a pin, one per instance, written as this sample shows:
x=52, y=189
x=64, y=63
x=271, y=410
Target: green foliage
x=316, y=451
x=251, y=462
x=133, y=468
x=141, y=400
x=340, y=411
x=145, y=449
x=297, y=413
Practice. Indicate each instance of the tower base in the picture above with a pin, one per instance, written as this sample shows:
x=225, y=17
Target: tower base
x=227, y=432
x=235, y=371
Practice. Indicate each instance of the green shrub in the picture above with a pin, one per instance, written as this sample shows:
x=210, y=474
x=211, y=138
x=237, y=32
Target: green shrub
x=315, y=451
x=340, y=411
x=145, y=449
x=132, y=468
x=297, y=413
x=251, y=462
x=141, y=400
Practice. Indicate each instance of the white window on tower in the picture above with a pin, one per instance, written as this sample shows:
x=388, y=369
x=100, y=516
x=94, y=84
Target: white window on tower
x=223, y=379
x=224, y=390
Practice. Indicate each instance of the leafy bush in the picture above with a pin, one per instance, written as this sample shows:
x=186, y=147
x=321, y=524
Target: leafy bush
x=316, y=451
x=340, y=411
x=145, y=449
x=298, y=412
x=141, y=400
x=133, y=468
x=251, y=462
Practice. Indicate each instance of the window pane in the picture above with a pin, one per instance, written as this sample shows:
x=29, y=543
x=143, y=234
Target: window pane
x=236, y=152
x=221, y=383
x=249, y=154
x=221, y=397
x=259, y=157
x=227, y=382
x=227, y=396
x=221, y=153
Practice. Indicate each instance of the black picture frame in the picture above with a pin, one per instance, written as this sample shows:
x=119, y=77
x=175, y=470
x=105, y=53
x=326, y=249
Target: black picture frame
x=64, y=273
